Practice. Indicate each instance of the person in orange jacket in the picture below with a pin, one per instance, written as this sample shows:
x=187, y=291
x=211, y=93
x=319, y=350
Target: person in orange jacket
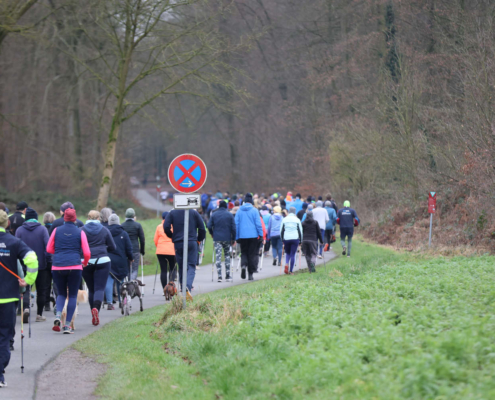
x=165, y=252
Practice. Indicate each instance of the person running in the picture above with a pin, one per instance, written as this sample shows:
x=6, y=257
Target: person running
x=321, y=216
x=165, y=253
x=223, y=231
x=197, y=232
x=312, y=235
x=36, y=238
x=136, y=234
x=95, y=274
x=273, y=233
x=291, y=234
x=66, y=243
x=12, y=250
x=347, y=219
x=330, y=227
x=48, y=219
x=265, y=215
x=120, y=259
x=60, y=221
x=249, y=233
x=18, y=218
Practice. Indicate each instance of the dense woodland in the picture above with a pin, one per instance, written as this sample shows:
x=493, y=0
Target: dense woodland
x=379, y=101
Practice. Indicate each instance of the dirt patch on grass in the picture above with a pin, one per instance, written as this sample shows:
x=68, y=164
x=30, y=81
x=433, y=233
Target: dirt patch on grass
x=71, y=375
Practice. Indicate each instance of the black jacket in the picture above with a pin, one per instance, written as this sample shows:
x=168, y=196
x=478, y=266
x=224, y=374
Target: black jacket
x=60, y=221
x=122, y=255
x=136, y=234
x=16, y=220
x=175, y=219
x=222, y=226
x=100, y=240
x=311, y=230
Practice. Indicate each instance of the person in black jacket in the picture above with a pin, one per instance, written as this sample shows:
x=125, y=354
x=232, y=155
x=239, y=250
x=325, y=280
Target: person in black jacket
x=197, y=233
x=17, y=219
x=223, y=230
x=136, y=234
x=60, y=221
x=95, y=274
x=311, y=236
x=120, y=258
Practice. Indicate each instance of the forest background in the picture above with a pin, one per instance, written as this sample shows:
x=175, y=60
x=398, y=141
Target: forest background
x=375, y=101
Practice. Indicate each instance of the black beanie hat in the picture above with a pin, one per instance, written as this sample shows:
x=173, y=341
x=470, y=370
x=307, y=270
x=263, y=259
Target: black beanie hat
x=222, y=204
x=31, y=214
x=248, y=198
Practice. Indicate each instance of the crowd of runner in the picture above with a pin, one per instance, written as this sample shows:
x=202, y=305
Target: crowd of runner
x=58, y=255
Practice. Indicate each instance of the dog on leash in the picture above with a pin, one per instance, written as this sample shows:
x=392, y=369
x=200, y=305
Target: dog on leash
x=82, y=297
x=132, y=289
x=170, y=290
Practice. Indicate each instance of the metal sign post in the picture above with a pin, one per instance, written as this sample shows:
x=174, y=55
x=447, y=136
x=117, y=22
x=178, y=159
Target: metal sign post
x=432, y=205
x=187, y=174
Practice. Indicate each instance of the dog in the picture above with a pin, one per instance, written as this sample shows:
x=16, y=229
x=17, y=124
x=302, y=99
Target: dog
x=170, y=290
x=131, y=289
x=82, y=297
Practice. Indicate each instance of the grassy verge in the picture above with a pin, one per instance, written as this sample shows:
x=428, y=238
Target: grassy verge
x=378, y=325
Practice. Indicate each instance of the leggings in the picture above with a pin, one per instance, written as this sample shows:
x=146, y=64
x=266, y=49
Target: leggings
x=167, y=261
x=67, y=280
x=277, y=248
x=43, y=282
x=290, y=252
x=345, y=232
x=96, y=277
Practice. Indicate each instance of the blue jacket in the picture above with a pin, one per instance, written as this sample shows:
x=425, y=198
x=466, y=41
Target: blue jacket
x=122, y=255
x=291, y=228
x=333, y=218
x=204, y=199
x=67, y=242
x=222, y=226
x=266, y=219
x=175, y=219
x=274, y=226
x=346, y=217
x=36, y=238
x=212, y=204
x=297, y=203
x=100, y=240
x=248, y=222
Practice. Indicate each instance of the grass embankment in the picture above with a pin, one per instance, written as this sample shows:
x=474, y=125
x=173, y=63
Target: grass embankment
x=150, y=260
x=378, y=325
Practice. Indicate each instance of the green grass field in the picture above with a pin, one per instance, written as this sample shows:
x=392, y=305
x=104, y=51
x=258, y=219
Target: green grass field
x=377, y=326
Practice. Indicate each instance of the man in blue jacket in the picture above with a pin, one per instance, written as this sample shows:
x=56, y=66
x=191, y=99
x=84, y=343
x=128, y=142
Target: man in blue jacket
x=249, y=233
x=222, y=228
x=347, y=219
x=197, y=232
x=330, y=227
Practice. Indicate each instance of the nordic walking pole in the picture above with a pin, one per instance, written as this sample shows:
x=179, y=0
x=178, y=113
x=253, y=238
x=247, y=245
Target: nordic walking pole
x=280, y=261
x=156, y=273
x=142, y=272
x=212, y=261
x=324, y=262
x=232, y=262
x=22, y=335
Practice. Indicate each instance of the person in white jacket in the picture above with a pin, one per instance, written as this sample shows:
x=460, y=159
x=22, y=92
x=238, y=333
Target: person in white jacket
x=291, y=233
x=321, y=216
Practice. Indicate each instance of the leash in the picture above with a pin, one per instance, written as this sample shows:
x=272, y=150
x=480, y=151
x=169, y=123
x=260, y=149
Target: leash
x=114, y=277
x=8, y=270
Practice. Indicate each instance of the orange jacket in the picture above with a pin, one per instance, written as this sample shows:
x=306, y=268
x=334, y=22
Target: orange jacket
x=163, y=243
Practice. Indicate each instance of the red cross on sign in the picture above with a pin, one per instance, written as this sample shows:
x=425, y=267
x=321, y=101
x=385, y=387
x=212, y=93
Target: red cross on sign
x=187, y=173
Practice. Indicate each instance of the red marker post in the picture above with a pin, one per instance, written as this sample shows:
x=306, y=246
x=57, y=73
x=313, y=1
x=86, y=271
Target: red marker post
x=432, y=206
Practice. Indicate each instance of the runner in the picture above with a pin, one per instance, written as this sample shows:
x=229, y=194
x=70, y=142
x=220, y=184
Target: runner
x=330, y=227
x=291, y=234
x=120, y=259
x=273, y=234
x=136, y=234
x=321, y=216
x=311, y=234
x=95, y=274
x=12, y=250
x=265, y=215
x=66, y=243
x=165, y=253
x=197, y=232
x=35, y=236
x=223, y=231
x=249, y=233
x=347, y=218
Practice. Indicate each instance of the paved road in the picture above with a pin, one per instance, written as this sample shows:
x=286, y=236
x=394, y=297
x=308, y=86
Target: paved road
x=44, y=344
x=149, y=201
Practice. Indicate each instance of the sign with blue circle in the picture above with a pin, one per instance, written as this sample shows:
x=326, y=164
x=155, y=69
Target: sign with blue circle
x=187, y=173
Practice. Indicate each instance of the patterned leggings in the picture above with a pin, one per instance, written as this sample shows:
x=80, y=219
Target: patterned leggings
x=225, y=246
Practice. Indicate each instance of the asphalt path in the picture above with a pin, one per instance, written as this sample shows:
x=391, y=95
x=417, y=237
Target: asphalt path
x=45, y=345
x=149, y=201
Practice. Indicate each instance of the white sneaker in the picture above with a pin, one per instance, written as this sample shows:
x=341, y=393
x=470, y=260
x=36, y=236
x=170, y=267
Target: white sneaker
x=3, y=384
x=40, y=318
x=319, y=256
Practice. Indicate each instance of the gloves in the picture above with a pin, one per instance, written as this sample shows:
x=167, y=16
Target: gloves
x=356, y=222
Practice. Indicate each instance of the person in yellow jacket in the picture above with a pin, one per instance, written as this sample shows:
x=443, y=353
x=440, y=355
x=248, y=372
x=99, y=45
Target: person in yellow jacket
x=12, y=249
x=165, y=252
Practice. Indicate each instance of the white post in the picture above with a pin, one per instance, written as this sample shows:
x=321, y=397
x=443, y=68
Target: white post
x=431, y=222
x=184, y=261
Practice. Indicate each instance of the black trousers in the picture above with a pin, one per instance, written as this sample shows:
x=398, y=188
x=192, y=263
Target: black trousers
x=43, y=282
x=7, y=325
x=167, y=262
x=250, y=253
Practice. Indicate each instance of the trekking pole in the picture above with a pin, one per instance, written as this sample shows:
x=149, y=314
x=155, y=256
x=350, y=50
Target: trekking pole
x=22, y=335
x=142, y=272
x=280, y=262
x=261, y=259
x=156, y=273
x=29, y=315
x=231, y=263
x=300, y=255
x=212, y=261
x=324, y=263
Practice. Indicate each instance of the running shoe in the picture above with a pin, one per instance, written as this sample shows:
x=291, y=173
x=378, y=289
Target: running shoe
x=110, y=307
x=327, y=247
x=243, y=272
x=40, y=318
x=3, y=384
x=189, y=295
x=343, y=250
x=274, y=262
x=96, y=317
x=67, y=330
x=320, y=256
x=219, y=279
x=228, y=279
x=286, y=269
x=25, y=316
x=56, y=325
